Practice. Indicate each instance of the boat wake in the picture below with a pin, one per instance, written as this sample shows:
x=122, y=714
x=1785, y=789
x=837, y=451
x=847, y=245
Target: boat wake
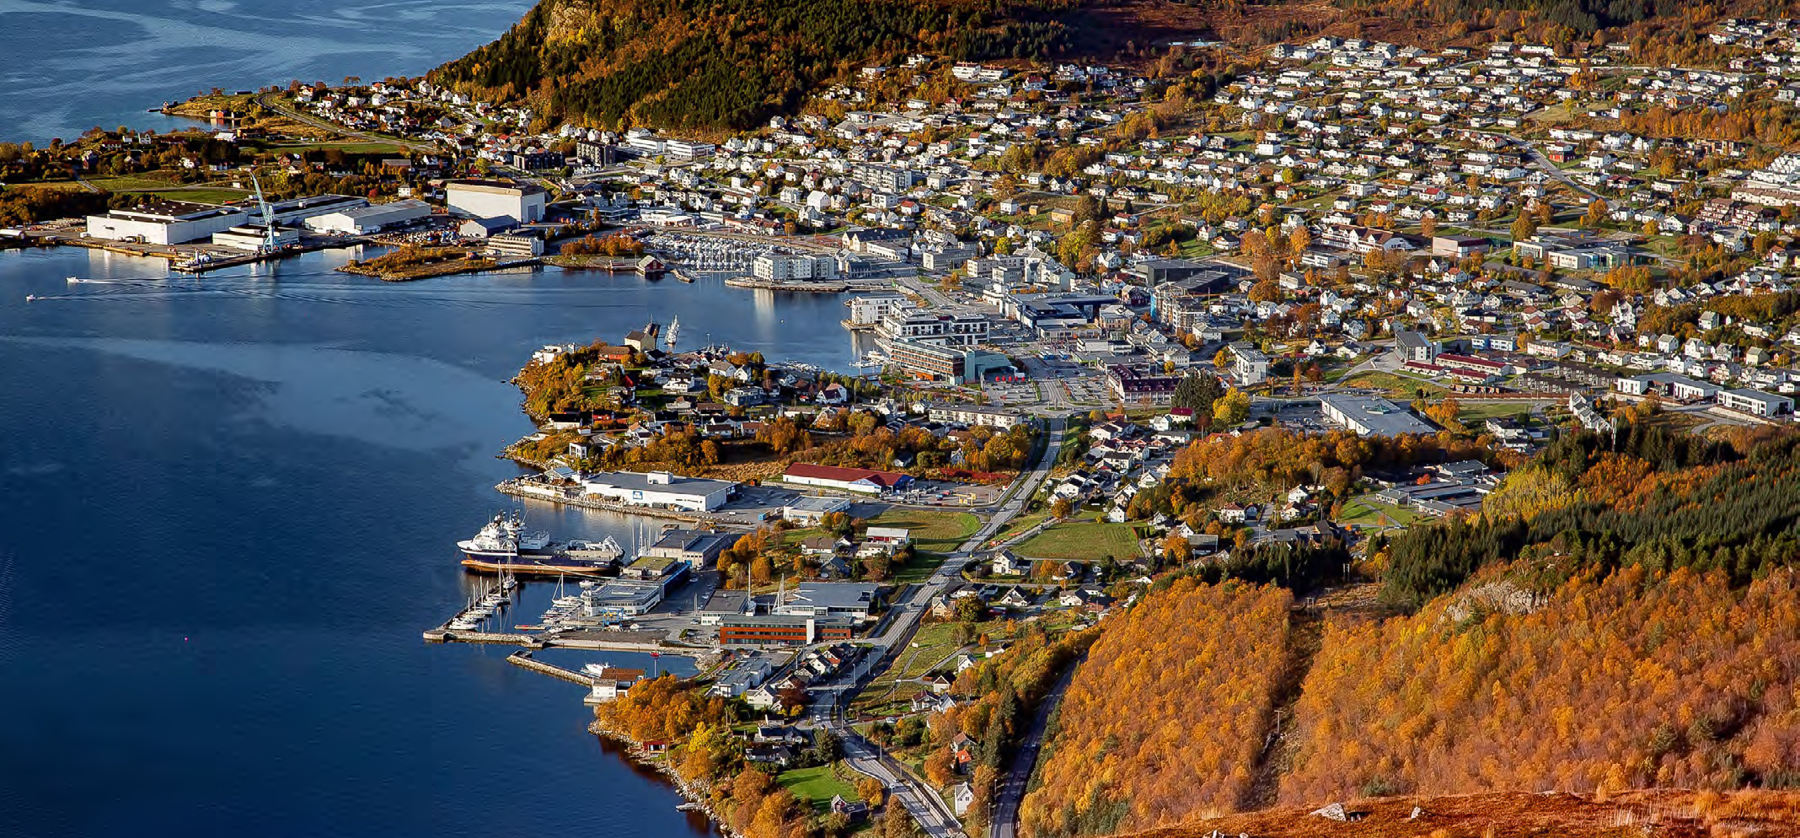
x=123, y=289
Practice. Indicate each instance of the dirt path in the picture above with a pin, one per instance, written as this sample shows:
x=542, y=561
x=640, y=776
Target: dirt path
x=1306, y=630
x=1306, y=635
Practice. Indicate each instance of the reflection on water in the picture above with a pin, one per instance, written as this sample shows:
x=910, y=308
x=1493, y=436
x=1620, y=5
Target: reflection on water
x=233, y=503
x=71, y=65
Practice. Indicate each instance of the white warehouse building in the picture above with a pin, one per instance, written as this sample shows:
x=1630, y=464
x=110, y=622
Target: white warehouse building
x=521, y=202
x=360, y=221
x=293, y=211
x=660, y=489
x=165, y=222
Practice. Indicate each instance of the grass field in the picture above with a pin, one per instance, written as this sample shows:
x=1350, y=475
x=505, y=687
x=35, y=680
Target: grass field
x=150, y=184
x=1366, y=511
x=353, y=147
x=815, y=785
x=1021, y=524
x=135, y=183
x=1082, y=542
x=1399, y=386
x=932, y=644
x=934, y=531
x=1475, y=414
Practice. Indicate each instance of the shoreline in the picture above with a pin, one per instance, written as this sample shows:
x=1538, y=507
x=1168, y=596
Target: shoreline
x=697, y=798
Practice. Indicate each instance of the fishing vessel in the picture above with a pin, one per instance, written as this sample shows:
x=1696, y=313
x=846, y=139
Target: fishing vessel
x=504, y=546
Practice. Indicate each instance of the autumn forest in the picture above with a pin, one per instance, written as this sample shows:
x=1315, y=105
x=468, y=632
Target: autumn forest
x=1625, y=616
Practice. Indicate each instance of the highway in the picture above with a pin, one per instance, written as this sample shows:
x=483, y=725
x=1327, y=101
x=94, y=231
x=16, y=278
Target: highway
x=830, y=699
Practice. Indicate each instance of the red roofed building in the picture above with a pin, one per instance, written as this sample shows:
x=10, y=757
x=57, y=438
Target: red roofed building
x=861, y=480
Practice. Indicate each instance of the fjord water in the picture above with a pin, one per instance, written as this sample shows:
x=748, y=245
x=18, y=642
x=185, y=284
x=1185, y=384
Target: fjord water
x=227, y=512
x=71, y=65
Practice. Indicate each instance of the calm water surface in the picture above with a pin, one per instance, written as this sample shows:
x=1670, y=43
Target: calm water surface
x=70, y=65
x=227, y=511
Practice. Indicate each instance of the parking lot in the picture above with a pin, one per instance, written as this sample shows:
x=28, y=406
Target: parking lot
x=945, y=493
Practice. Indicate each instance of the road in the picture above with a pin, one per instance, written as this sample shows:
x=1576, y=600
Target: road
x=1543, y=164
x=273, y=102
x=927, y=806
x=1005, y=822
x=830, y=699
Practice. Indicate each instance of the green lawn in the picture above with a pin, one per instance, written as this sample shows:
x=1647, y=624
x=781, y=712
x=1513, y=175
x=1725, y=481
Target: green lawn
x=933, y=530
x=1366, y=511
x=1087, y=541
x=1399, y=386
x=919, y=570
x=933, y=643
x=136, y=183
x=815, y=785
x=1021, y=524
x=1475, y=414
x=354, y=147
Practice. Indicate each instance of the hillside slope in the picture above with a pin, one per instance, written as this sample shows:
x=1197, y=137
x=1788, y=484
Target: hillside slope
x=727, y=63
x=1669, y=814
x=699, y=65
x=1636, y=626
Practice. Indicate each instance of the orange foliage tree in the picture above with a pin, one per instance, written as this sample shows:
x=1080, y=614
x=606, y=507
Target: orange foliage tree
x=1164, y=720
x=1636, y=679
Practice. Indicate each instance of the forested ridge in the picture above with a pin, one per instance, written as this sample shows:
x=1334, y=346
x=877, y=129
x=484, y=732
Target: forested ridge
x=1649, y=498
x=1625, y=615
x=699, y=64
x=1633, y=679
x=707, y=65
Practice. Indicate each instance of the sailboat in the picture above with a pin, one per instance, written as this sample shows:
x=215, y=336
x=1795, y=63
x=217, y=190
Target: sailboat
x=674, y=328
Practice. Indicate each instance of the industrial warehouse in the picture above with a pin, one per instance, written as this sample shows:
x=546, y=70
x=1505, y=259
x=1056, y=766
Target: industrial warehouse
x=661, y=490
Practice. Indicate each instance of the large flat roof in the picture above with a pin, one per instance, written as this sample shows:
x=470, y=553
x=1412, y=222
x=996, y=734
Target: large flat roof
x=1376, y=415
x=834, y=594
x=498, y=187
x=677, y=484
x=816, y=503
x=174, y=211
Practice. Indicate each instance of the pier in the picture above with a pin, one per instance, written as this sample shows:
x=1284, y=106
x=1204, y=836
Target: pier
x=797, y=286
x=523, y=658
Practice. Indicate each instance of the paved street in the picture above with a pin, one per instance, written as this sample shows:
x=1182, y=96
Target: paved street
x=1005, y=822
x=829, y=700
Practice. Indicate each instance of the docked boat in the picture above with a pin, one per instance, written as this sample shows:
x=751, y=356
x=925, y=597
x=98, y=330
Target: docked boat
x=504, y=546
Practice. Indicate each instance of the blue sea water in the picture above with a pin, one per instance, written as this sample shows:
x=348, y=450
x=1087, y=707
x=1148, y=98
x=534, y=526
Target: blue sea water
x=70, y=65
x=227, y=513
